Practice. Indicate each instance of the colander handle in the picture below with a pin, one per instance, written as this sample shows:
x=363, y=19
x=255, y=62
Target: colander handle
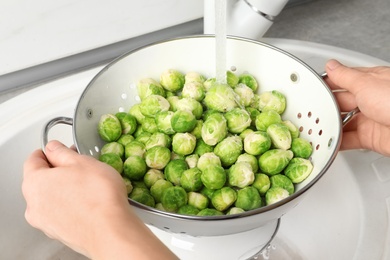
x=50, y=124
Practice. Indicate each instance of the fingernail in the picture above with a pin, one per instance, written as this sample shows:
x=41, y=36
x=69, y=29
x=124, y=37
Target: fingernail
x=333, y=64
x=53, y=145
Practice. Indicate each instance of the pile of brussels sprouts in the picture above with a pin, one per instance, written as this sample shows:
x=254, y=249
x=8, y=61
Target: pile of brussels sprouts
x=197, y=147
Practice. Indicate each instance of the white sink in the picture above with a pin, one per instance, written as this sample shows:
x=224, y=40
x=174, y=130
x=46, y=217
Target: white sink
x=344, y=216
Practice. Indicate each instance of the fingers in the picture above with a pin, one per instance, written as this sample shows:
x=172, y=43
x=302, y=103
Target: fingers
x=35, y=161
x=59, y=155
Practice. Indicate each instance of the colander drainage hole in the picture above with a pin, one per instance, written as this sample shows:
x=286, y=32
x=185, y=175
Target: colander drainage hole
x=330, y=142
x=233, y=68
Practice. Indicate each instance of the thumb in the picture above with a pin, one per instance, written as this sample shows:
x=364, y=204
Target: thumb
x=59, y=155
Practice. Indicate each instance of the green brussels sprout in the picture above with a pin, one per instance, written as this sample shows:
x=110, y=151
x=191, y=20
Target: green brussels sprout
x=262, y=183
x=298, y=169
x=272, y=100
x=223, y=198
x=202, y=148
x=207, y=192
x=213, y=177
x=157, y=189
x=248, y=198
x=193, y=76
x=237, y=120
x=294, y=130
x=214, y=129
x=207, y=159
x=208, y=83
x=301, y=148
x=197, y=131
x=274, y=161
x=241, y=174
x=249, y=158
x=257, y=142
x=275, y=194
x=153, y=104
x=149, y=125
x=267, y=118
x=190, y=179
x=135, y=148
x=143, y=137
x=183, y=143
x=174, y=170
x=151, y=176
x=163, y=122
x=192, y=160
x=221, y=98
x=113, y=147
x=245, y=94
x=113, y=160
x=148, y=86
x=135, y=111
x=109, y=128
x=183, y=121
x=129, y=186
x=194, y=90
x=253, y=112
x=282, y=181
x=172, y=80
x=125, y=139
x=209, y=212
x=175, y=156
x=157, y=157
x=280, y=136
x=248, y=80
x=134, y=168
x=159, y=206
x=128, y=122
x=142, y=196
x=209, y=112
x=188, y=210
x=231, y=78
x=158, y=139
x=139, y=184
x=173, y=101
x=173, y=198
x=235, y=210
x=192, y=105
x=229, y=149
x=198, y=200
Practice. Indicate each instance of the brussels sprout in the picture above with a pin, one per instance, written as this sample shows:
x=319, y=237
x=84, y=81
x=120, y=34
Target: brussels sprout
x=248, y=80
x=214, y=129
x=136, y=112
x=229, y=149
x=109, y=128
x=192, y=160
x=190, y=179
x=198, y=200
x=294, y=130
x=249, y=158
x=207, y=192
x=148, y=86
x=235, y=210
x=193, y=76
x=151, y=176
x=241, y=174
x=248, y=198
x=272, y=100
x=192, y=105
x=298, y=169
x=172, y=80
x=173, y=198
x=253, y=112
x=197, y=131
x=280, y=136
x=274, y=161
x=213, y=177
x=209, y=112
x=194, y=90
x=142, y=196
x=237, y=120
x=125, y=139
x=301, y=148
x=183, y=143
x=275, y=194
x=282, y=181
x=221, y=98
x=223, y=198
x=113, y=160
x=153, y=104
x=245, y=94
x=149, y=125
x=128, y=122
x=183, y=121
x=244, y=133
x=139, y=184
x=174, y=170
x=163, y=122
x=207, y=159
x=135, y=148
x=257, y=142
x=143, y=137
x=113, y=147
x=262, y=183
x=134, y=168
x=188, y=210
x=175, y=156
x=209, y=212
x=157, y=157
x=267, y=118
x=158, y=139
x=173, y=101
x=210, y=82
x=202, y=148
x=157, y=189
x=231, y=78
x=129, y=186
x=159, y=206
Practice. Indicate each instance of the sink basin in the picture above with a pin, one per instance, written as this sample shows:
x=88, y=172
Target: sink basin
x=344, y=216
